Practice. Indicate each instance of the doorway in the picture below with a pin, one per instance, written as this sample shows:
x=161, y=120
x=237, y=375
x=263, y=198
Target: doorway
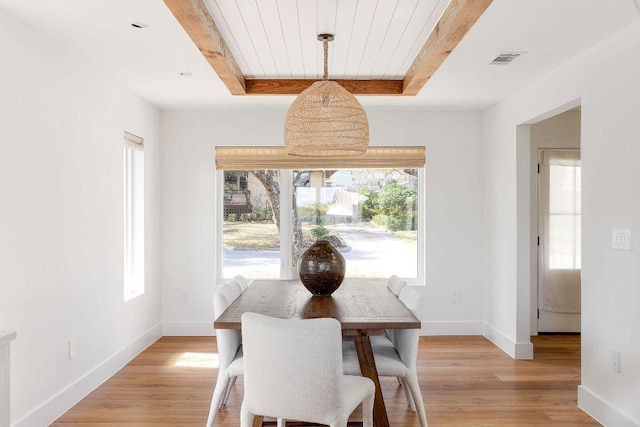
x=555, y=223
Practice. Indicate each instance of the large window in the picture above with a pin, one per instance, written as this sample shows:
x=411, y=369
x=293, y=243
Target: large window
x=372, y=216
x=133, y=165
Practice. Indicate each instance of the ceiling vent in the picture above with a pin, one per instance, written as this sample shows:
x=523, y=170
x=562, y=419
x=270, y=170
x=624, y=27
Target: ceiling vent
x=504, y=58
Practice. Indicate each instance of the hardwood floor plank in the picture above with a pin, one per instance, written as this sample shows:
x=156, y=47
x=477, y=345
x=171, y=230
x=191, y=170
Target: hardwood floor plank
x=465, y=381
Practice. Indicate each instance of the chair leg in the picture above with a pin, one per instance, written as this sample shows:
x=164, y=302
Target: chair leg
x=367, y=411
x=216, y=399
x=230, y=385
x=212, y=416
x=407, y=394
x=225, y=391
x=414, y=387
x=247, y=419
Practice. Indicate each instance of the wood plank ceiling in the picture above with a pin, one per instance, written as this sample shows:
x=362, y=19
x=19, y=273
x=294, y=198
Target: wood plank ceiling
x=381, y=47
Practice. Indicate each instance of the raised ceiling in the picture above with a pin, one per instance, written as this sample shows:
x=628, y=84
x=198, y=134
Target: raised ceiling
x=270, y=47
x=374, y=40
x=150, y=61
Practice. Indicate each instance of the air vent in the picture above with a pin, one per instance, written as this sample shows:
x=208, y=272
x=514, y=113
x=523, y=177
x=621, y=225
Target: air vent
x=504, y=58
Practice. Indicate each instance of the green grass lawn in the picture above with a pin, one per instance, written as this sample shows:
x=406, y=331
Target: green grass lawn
x=251, y=235
x=264, y=236
x=410, y=237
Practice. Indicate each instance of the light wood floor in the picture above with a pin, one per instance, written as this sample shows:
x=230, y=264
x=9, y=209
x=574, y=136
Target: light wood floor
x=465, y=381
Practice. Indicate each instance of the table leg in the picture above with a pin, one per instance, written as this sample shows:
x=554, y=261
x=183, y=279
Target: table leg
x=368, y=369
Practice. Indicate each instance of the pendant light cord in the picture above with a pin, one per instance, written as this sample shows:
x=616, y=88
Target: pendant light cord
x=325, y=39
x=325, y=45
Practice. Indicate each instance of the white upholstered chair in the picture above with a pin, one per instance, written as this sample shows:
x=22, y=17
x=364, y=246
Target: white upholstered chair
x=293, y=370
x=395, y=284
x=242, y=281
x=398, y=357
x=229, y=351
x=237, y=286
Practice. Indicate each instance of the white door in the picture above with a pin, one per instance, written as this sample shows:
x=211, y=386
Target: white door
x=559, y=255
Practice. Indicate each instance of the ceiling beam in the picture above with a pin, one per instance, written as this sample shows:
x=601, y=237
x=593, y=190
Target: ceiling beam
x=295, y=86
x=196, y=20
x=454, y=24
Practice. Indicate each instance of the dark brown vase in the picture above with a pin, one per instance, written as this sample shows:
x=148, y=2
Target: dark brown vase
x=321, y=268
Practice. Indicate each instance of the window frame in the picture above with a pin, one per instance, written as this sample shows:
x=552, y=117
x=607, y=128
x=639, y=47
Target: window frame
x=134, y=234
x=286, y=184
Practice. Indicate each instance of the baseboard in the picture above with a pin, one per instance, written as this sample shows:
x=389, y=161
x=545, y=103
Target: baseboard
x=187, y=329
x=451, y=328
x=602, y=411
x=517, y=350
x=61, y=402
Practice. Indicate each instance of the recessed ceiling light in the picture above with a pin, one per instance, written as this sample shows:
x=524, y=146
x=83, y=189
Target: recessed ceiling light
x=186, y=74
x=139, y=25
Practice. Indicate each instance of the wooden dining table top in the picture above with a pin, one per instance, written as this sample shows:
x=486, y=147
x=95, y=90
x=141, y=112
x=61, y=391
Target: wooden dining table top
x=359, y=304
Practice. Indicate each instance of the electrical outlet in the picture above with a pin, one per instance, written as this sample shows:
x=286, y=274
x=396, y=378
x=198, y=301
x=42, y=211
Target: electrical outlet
x=185, y=296
x=455, y=296
x=72, y=348
x=615, y=360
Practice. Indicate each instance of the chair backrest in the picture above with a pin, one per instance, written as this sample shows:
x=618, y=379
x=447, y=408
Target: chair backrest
x=411, y=297
x=395, y=284
x=292, y=367
x=242, y=281
x=228, y=340
x=238, y=288
x=406, y=340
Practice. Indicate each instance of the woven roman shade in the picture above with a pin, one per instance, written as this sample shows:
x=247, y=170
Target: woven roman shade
x=255, y=157
x=133, y=142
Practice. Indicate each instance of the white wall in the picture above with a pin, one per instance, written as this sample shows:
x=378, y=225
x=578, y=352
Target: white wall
x=453, y=207
x=605, y=80
x=61, y=223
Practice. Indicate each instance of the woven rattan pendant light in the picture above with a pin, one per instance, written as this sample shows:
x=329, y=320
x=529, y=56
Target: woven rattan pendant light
x=326, y=120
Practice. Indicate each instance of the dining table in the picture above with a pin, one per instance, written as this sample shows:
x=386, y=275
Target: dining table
x=364, y=307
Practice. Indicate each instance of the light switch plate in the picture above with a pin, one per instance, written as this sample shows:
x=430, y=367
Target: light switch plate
x=621, y=238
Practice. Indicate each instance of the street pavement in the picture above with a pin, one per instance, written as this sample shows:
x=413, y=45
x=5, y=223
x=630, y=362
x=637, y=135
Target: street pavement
x=371, y=252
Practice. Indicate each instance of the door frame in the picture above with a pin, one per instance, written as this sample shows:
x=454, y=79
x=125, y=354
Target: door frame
x=532, y=196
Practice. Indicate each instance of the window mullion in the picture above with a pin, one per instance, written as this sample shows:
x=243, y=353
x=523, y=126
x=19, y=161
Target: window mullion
x=286, y=251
